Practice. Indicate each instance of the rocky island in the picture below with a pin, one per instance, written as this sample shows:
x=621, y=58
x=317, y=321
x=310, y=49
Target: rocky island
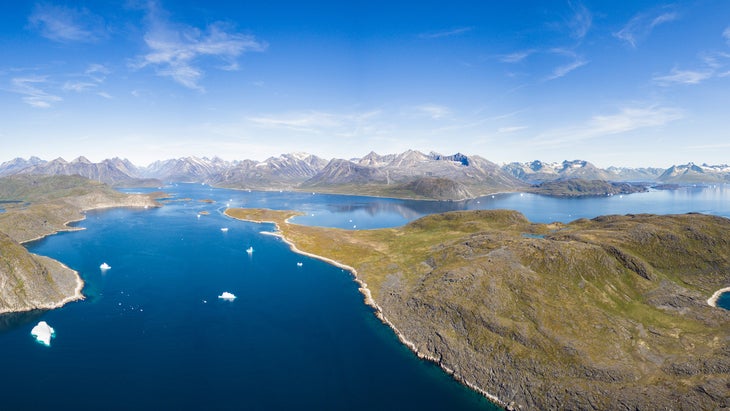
x=37, y=206
x=608, y=313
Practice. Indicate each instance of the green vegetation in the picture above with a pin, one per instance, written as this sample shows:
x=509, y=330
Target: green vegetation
x=45, y=204
x=608, y=313
x=584, y=188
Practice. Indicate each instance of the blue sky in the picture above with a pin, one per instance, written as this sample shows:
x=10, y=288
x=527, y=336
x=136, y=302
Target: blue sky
x=640, y=83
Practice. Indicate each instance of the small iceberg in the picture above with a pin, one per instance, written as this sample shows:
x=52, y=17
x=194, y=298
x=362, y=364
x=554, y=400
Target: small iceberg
x=43, y=333
x=299, y=264
x=227, y=296
x=224, y=229
x=249, y=250
x=104, y=266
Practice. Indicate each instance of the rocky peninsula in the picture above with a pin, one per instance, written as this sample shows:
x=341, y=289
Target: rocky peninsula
x=37, y=206
x=608, y=313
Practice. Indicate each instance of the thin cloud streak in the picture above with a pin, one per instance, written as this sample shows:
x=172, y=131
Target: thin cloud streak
x=685, y=77
x=561, y=71
x=641, y=25
x=511, y=129
x=628, y=119
x=67, y=25
x=446, y=33
x=581, y=22
x=517, y=56
x=433, y=111
x=33, y=95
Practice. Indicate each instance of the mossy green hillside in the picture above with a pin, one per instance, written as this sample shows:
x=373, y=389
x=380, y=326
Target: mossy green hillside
x=606, y=313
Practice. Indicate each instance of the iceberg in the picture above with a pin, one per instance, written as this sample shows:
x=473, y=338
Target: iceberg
x=224, y=229
x=227, y=296
x=104, y=266
x=43, y=333
x=299, y=264
x=249, y=250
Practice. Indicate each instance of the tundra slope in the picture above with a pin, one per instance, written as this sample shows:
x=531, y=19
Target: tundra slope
x=608, y=313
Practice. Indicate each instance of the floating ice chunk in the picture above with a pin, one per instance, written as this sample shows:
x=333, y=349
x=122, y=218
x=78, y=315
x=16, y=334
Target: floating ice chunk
x=104, y=266
x=43, y=333
x=249, y=250
x=227, y=296
x=299, y=264
x=224, y=229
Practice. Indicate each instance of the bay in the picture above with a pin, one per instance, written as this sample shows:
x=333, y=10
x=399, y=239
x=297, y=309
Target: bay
x=152, y=333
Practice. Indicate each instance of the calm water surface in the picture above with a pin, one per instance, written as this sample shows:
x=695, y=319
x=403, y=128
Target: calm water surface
x=152, y=333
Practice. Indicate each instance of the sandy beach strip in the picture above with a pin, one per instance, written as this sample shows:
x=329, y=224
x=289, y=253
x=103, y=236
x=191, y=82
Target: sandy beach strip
x=712, y=301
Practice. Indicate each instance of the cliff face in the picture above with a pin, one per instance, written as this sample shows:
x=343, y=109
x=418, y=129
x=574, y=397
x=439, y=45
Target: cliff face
x=608, y=313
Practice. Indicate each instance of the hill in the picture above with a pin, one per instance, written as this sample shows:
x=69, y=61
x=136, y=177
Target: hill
x=608, y=313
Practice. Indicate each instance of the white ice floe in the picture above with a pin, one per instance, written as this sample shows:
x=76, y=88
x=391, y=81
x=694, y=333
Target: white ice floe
x=43, y=333
x=249, y=250
x=224, y=229
x=104, y=266
x=227, y=296
x=299, y=264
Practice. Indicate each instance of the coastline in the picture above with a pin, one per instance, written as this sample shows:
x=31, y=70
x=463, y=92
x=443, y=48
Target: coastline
x=66, y=228
x=368, y=299
x=129, y=202
x=77, y=295
x=712, y=301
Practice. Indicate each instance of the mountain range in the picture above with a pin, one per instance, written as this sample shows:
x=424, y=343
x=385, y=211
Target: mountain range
x=408, y=174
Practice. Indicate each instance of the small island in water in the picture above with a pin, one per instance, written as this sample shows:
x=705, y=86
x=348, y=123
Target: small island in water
x=607, y=313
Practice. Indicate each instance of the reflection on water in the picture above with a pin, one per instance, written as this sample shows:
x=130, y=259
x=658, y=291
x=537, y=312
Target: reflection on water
x=11, y=321
x=357, y=212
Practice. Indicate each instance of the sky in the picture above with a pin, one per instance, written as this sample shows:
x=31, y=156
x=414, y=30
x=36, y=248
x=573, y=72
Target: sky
x=617, y=83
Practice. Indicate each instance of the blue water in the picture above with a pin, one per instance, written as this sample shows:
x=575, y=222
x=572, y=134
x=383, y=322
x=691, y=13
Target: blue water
x=152, y=333
x=724, y=301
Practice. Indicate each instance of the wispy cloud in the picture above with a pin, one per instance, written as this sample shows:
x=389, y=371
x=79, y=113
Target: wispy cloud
x=446, y=33
x=726, y=35
x=433, y=111
x=67, y=25
x=561, y=71
x=309, y=121
x=575, y=61
x=176, y=50
x=642, y=24
x=510, y=129
x=30, y=88
x=626, y=120
x=581, y=21
x=711, y=65
x=78, y=86
x=683, y=77
x=93, y=77
x=517, y=56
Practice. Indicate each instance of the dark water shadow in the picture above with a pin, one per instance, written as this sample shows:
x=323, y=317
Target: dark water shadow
x=11, y=321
